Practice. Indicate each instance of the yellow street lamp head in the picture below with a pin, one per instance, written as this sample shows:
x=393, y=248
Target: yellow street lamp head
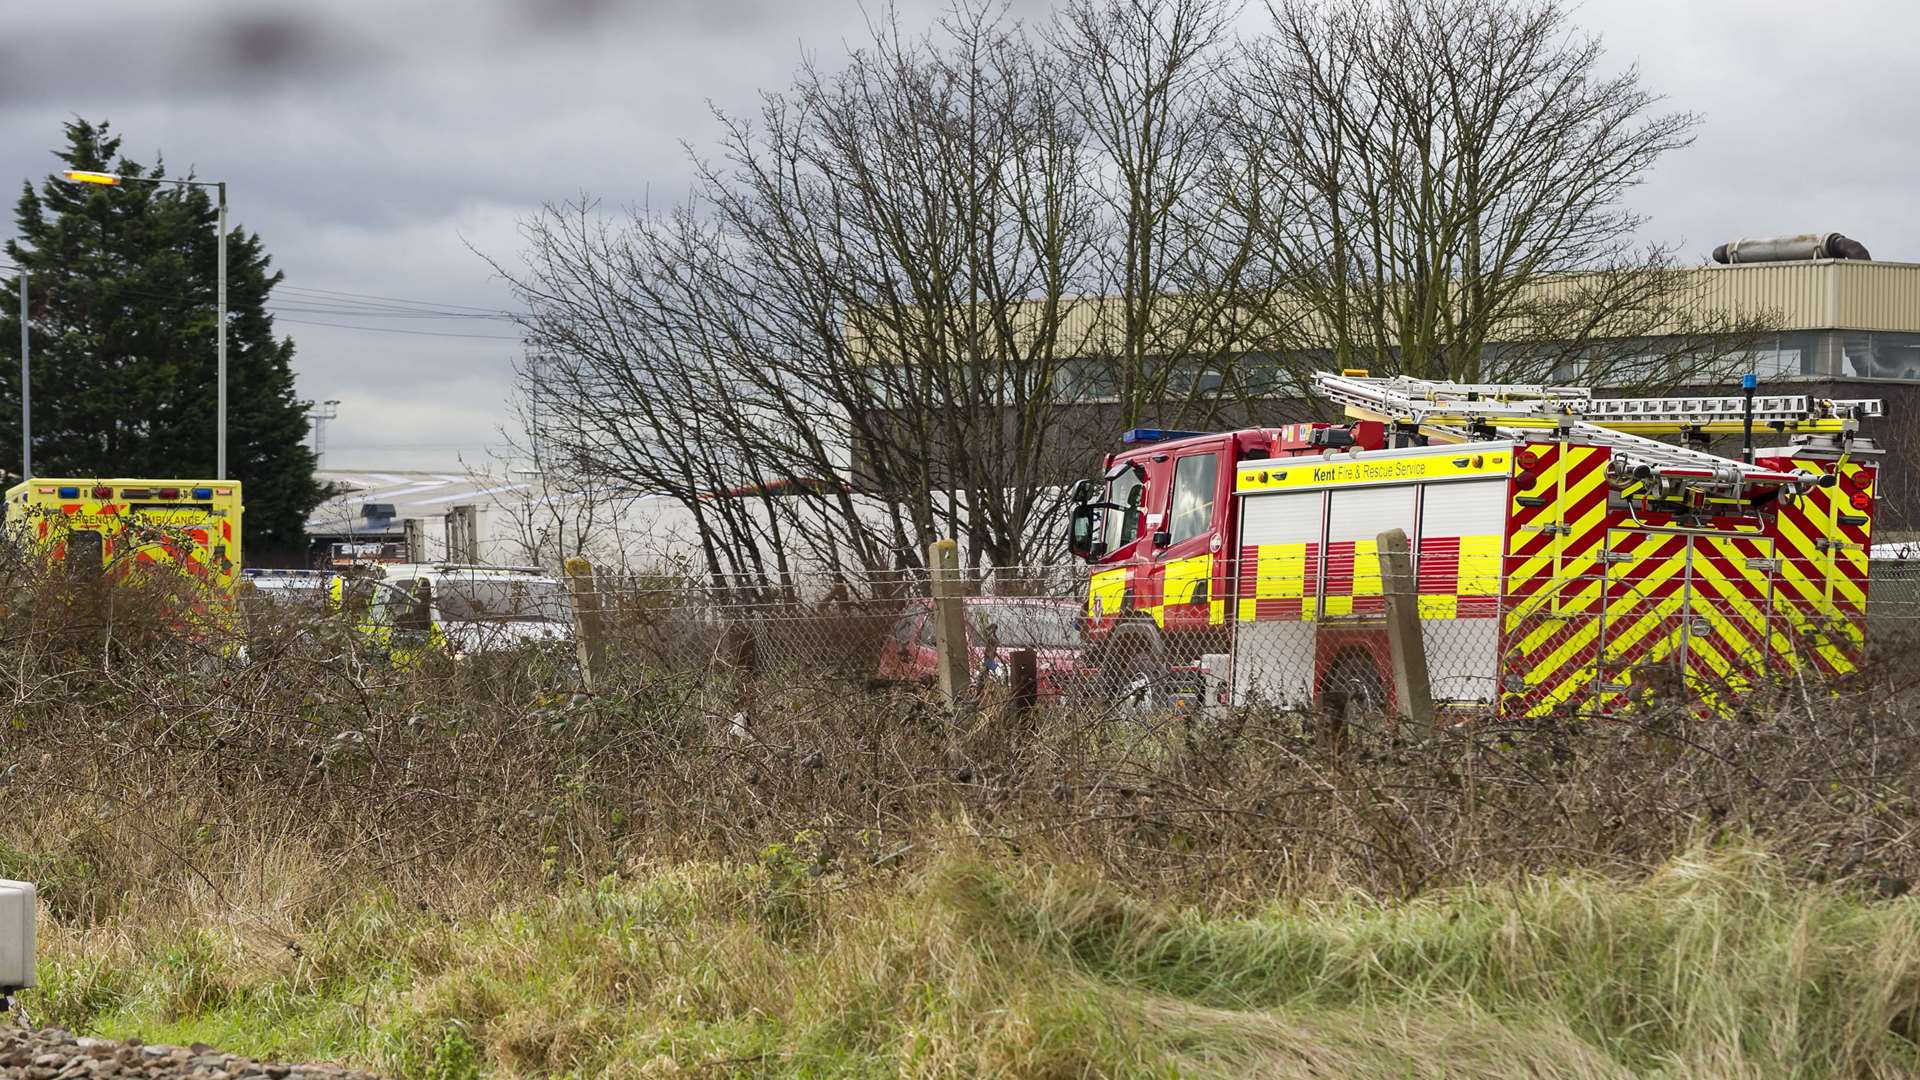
x=82, y=176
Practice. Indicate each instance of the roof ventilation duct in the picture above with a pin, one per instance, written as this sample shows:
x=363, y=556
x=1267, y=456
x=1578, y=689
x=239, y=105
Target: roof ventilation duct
x=1790, y=249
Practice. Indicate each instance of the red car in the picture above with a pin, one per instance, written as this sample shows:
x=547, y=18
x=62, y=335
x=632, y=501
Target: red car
x=1053, y=629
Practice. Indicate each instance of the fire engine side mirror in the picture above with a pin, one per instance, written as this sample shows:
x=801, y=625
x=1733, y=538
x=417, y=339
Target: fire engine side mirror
x=1083, y=532
x=1081, y=492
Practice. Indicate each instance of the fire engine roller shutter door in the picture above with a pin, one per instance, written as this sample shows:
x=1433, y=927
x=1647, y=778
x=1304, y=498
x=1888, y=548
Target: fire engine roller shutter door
x=1357, y=517
x=1457, y=570
x=1277, y=597
x=1820, y=587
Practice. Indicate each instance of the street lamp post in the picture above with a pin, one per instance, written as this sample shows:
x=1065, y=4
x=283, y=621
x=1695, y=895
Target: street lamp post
x=26, y=385
x=220, y=347
x=84, y=176
x=26, y=376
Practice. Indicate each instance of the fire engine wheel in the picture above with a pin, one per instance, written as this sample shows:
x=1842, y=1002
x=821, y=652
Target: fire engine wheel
x=1138, y=660
x=1352, y=687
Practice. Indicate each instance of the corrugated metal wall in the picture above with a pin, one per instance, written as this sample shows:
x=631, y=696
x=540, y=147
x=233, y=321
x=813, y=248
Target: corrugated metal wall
x=1795, y=294
x=1831, y=294
x=1878, y=296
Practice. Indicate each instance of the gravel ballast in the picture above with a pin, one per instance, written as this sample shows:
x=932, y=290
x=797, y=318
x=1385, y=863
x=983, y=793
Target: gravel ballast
x=53, y=1054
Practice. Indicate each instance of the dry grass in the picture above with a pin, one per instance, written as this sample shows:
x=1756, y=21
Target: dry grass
x=450, y=869
x=1720, y=963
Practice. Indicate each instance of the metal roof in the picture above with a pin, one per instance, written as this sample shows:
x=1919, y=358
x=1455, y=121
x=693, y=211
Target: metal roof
x=411, y=494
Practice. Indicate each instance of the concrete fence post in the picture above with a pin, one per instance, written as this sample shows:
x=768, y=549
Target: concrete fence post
x=949, y=620
x=589, y=622
x=1404, y=641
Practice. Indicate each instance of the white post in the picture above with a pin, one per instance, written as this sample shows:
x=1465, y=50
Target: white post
x=1404, y=641
x=949, y=621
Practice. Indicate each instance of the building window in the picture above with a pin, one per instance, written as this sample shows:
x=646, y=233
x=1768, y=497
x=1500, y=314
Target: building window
x=1878, y=354
x=1776, y=362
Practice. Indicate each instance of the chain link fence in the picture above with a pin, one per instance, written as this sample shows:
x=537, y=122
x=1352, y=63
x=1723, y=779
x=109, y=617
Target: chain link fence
x=1704, y=622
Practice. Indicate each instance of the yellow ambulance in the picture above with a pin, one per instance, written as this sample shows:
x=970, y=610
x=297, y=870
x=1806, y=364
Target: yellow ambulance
x=129, y=527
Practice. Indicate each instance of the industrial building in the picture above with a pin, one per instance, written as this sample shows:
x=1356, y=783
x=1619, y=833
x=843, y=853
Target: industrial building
x=1842, y=328
x=1835, y=327
x=1834, y=318
x=400, y=515
x=1838, y=327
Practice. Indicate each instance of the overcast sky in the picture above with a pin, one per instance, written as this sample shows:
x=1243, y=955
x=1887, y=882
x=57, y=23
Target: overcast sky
x=376, y=144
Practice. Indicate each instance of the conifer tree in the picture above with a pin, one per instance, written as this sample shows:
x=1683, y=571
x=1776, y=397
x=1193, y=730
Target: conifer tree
x=123, y=319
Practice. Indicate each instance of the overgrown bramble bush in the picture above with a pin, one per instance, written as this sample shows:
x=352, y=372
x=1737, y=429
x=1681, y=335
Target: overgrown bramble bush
x=307, y=850
x=501, y=757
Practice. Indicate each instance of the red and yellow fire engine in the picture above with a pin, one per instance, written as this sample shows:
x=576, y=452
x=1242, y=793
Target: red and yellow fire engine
x=1566, y=559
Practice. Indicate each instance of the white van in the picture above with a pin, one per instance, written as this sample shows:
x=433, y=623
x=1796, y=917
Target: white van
x=467, y=609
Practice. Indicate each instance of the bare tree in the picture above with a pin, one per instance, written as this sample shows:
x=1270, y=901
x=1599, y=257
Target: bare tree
x=1152, y=80
x=919, y=215
x=869, y=328
x=633, y=389
x=557, y=513
x=1447, y=195
x=914, y=294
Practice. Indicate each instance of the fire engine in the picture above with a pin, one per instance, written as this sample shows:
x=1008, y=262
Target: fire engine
x=1566, y=558
x=193, y=525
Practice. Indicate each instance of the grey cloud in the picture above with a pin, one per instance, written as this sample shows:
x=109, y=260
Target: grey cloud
x=370, y=141
x=183, y=54
x=1809, y=117
x=190, y=49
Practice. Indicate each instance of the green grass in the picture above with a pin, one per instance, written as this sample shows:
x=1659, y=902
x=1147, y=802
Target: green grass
x=1720, y=964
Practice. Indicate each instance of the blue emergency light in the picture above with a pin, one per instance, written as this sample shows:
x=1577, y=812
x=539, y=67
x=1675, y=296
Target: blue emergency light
x=69, y=492
x=1148, y=434
x=203, y=493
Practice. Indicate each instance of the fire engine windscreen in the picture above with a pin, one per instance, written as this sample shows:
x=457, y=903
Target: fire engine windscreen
x=1018, y=624
x=502, y=601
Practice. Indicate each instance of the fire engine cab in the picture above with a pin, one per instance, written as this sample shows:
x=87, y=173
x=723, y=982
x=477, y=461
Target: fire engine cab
x=1566, y=559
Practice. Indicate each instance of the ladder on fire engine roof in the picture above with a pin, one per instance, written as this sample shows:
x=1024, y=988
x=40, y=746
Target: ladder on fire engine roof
x=1468, y=410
